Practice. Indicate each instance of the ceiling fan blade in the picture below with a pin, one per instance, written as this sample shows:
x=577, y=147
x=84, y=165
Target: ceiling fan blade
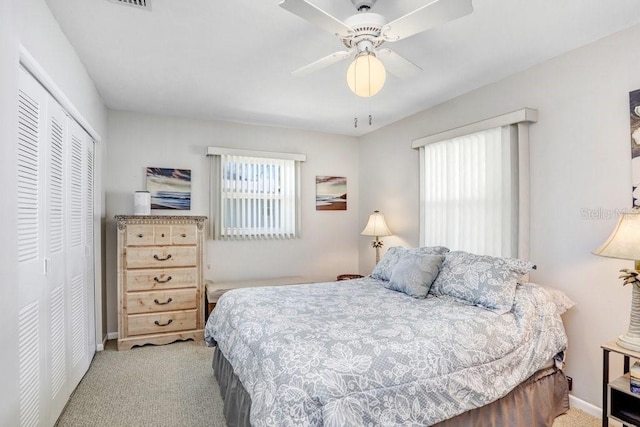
x=317, y=16
x=397, y=65
x=428, y=16
x=322, y=63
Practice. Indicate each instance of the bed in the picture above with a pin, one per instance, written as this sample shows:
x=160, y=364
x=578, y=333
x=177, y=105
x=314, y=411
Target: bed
x=382, y=350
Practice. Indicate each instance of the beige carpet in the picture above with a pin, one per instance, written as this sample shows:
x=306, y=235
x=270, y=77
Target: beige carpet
x=171, y=385
x=577, y=418
x=160, y=386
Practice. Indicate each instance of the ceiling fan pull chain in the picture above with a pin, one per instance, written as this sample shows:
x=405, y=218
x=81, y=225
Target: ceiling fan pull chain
x=355, y=122
x=370, y=119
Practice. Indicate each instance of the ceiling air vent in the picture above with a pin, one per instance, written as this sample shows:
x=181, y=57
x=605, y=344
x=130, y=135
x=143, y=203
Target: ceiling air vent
x=140, y=4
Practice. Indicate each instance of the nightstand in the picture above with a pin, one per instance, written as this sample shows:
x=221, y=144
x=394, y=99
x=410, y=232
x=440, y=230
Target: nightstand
x=349, y=276
x=618, y=402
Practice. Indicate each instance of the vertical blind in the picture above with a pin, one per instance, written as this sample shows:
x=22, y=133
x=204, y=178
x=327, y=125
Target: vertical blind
x=470, y=192
x=254, y=197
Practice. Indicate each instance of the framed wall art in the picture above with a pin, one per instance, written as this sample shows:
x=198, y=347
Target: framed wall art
x=634, y=112
x=169, y=188
x=331, y=193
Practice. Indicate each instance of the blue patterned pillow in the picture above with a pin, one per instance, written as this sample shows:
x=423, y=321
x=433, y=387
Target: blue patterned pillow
x=481, y=280
x=384, y=268
x=413, y=274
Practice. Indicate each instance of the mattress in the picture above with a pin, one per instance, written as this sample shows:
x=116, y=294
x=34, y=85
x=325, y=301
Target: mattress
x=355, y=353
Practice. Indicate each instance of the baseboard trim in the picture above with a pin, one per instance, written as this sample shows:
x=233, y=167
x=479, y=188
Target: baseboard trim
x=585, y=406
x=109, y=336
x=100, y=346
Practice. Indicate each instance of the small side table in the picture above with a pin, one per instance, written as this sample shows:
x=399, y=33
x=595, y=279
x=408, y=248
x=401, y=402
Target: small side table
x=618, y=402
x=349, y=276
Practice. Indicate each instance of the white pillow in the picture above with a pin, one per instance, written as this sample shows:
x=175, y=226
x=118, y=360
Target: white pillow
x=560, y=299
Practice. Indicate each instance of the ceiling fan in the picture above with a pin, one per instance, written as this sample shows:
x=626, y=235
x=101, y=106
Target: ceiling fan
x=364, y=33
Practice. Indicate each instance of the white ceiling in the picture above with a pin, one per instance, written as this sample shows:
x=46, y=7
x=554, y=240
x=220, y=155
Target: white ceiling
x=232, y=60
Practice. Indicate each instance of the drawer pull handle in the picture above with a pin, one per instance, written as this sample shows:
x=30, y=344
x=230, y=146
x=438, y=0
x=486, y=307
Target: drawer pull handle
x=162, y=303
x=163, y=324
x=162, y=259
x=162, y=234
x=162, y=281
x=141, y=235
x=183, y=235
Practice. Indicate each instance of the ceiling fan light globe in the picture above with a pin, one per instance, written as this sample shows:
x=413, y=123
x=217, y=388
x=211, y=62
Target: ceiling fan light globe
x=366, y=75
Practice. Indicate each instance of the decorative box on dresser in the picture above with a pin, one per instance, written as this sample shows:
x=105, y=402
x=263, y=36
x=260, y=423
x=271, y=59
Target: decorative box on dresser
x=160, y=279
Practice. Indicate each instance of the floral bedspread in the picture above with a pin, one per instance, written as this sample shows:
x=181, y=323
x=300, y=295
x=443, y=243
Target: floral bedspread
x=354, y=353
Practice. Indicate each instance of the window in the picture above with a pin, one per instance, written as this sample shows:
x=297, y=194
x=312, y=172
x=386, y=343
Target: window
x=474, y=187
x=254, y=194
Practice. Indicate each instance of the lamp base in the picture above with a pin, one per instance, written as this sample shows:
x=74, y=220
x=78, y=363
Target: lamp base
x=630, y=343
x=377, y=244
x=631, y=340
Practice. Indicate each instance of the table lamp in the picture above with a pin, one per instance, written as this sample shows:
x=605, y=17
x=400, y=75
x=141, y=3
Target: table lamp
x=376, y=227
x=624, y=243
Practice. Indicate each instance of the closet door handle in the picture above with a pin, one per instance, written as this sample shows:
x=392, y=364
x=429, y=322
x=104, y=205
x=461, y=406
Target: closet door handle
x=162, y=303
x=163, y=324
x=162, y=259
x=162, y=281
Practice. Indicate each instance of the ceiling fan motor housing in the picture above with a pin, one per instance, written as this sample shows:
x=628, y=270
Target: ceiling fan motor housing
x=365, y=27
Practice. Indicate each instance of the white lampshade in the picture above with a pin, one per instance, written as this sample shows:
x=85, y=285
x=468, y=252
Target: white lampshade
x=366, y=75
x=624, y=242
x=376, y=226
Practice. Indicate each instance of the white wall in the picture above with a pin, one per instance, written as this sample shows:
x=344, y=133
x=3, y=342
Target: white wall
x=580, y=160
x=328, y=245
x=28, y=23
x=41, y=35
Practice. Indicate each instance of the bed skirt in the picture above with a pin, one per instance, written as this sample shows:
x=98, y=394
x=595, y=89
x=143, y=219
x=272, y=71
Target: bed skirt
x=535, y=402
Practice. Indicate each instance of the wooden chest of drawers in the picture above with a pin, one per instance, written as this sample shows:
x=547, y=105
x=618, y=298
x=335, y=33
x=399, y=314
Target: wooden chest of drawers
x=160, y=280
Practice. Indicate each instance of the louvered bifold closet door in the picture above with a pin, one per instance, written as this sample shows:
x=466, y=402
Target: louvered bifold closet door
x=56, y=254
x=56, y=304
x=32, y=323
x=80, y=232
x=89, y=231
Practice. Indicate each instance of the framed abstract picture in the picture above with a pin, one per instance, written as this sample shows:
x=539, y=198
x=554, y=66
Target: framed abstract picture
x=331, y=193
x=169, y=188
x=634, y=113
